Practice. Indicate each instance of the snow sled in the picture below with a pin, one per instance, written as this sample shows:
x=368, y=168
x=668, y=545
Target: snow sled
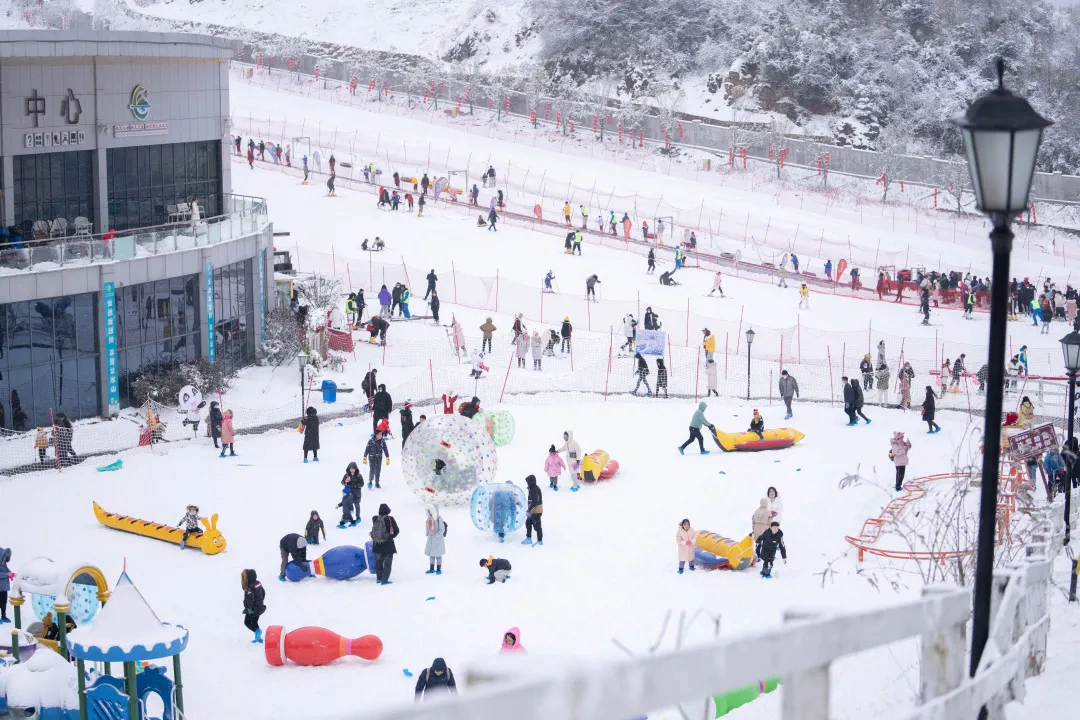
x=210, y=541
x=716, y=551
x=750, y=442
x=111, y=467
x=597, y=466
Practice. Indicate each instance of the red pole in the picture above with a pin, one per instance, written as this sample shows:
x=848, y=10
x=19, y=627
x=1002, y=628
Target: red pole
x=508, y=366
x=843, y=359
x=611, y=345
x=781, y=358
x=687, y=322
x=453, y=273
x=497, y=299
x=798, y=339
x=541, y=301
x=56, y=442
x=738, y=336
x=431, y=374
x=697, y=372
x=726, y=338
x=832, y=395
x=588, y=312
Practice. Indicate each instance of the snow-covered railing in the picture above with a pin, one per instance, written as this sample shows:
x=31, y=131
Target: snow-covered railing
x=801, y=652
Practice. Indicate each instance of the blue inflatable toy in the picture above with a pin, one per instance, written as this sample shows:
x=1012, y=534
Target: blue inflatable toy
x=498, y=508
x=341, y=563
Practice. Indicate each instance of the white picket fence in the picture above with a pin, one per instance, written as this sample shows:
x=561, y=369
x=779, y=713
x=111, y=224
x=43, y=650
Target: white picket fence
x=800, y=652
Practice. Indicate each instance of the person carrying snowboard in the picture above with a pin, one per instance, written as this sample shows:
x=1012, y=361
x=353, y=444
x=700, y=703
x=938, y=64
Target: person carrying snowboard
x=770, y=541
x=376, y=448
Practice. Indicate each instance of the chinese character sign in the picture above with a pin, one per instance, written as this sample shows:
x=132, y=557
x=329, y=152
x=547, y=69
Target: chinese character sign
x=109, y=293
x=1034, y=442
x=210, y=329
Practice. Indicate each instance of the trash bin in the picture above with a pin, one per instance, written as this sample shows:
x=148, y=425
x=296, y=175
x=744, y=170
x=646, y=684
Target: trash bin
x=329, y=391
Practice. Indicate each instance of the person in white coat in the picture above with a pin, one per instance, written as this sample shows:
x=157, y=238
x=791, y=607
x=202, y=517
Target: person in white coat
x=776, y=505
x=628, y=327
x=435, y=547
x=573, y=457
x=710, y=377
x=478, y=366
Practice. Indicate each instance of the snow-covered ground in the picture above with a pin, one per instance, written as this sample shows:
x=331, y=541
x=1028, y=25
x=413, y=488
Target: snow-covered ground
x=607, y=568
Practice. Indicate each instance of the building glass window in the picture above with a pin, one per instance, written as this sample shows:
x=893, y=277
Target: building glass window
x=49, y=361
x=234, y=313
x=53, y=185
x=144, y=181
x=157, y=325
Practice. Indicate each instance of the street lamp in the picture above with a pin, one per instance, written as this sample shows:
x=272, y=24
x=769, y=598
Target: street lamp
x=1070, y=350
x=749, y=342
x=301, y=361
x=1002, y=134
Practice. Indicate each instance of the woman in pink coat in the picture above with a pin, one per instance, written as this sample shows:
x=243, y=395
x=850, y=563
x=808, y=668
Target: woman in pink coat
x=512, y=642
x=684, y=538
x=227, y=434
x=898, y=451
x=553, y=467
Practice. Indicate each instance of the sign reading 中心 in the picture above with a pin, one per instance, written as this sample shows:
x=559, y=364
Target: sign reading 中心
x=113, y=374
x=210, y=329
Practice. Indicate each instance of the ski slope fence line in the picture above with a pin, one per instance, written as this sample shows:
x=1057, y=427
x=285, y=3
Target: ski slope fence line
x=800, y=652
x=390, y=91
x=591, y=370
x=869, y=234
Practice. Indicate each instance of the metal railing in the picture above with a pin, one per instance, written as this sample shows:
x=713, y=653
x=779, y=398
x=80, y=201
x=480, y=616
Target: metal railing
x=244, y=216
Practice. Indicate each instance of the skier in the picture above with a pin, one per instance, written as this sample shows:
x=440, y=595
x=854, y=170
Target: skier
x=642, y=372
x=652, y=263
x=305, y=171
x=867, y=369
x=406, y=295
x=590, y=287
x=383, y=531
x=488, y=329
x=535, y=509
x=804, y=297
x=684, y=541
x=374, y=451
x=435, y=681
x=547, y=281
x=424, y=183
x=254, y=602
x=929, y=408
x=409, y=199
x=717, y=285
x=573, y=457
x=611, y=222
x=435, y=545
x=696, y=423
x=767, y=545
x=789, y=388
x=407, y=425
x=434, y=304
x=578, y=237
x=293, y=548
x=314, y=527
x=381, y=405
x=310, y=427
x=898, y=453
x=667, y=278
x=330, y=184
x=565, y=332
x=629, y=332
x=420, y=206
x=553, y=467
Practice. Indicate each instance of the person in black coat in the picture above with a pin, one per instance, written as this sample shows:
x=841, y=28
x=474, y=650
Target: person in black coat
x=498, y=569
x=767, y=544
x=535, y=509
x=849, y=400
x=378, y=326
x=293, y=547
x=866, y=367
x=369, y=385
x=215, y=422
x=435, y=304
x=407, y=423
x=929, y=407
x=314, y=526
x=381, y=405
x=395, y=299
x=376, y=448
x=468, y=409
x=383, y=531
x=356, y=487
x=254, y=602
x=435, y=681
x=860, y=400
x=310, y=424
x=432, y=278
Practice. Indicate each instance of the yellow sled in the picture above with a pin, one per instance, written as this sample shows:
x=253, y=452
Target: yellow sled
x=713, y=550
x=748, y=441
x=210, y=542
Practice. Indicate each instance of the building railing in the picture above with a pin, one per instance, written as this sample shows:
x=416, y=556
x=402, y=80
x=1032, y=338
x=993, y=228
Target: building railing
x=244, y=216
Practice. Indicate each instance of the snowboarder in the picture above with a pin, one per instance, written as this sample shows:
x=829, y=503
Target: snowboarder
x=254, y=602
x=309, y=425
x=498, y=569
x=696, y=423
x=383, y=531
x=314, y=527
x=789, y=389
x=573, y=457
x=767, y=545
x=435, y=681
x=684, y=541
x=553, y=467
x=642, y=373
x=293, y=548
x=929, y=408
x=661, y=377
x=535, y=509
x=435, y=545
x=898, y=453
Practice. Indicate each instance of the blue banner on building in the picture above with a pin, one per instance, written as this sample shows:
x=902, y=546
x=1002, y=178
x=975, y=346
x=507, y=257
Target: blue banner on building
x=211, y=331
x=651, y=342
x=261, y=260
x=111, y=354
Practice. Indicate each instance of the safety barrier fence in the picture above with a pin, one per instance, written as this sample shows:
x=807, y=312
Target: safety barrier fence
x=850, y=215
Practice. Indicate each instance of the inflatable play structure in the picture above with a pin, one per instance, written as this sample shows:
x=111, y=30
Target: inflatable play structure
x=750, y=442
x=716, y=551
x=340, y=563
x=498, y=508
x=316, y=646
x=726, y=702
x=446, y=458
x=210, y=541
x=597, y=466
x=499, y=425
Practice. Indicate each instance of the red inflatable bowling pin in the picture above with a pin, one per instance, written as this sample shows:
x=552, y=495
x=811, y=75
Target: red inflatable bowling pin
x=316, y=646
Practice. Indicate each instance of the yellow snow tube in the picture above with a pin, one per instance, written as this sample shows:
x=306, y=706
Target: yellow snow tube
x=210, y=541
x=592, y=465
x=748, y=441
x=713, y=549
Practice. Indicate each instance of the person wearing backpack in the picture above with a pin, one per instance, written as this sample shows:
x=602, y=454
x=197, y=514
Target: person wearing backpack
x=435, y=681
x=383, y=531
x=435, y=529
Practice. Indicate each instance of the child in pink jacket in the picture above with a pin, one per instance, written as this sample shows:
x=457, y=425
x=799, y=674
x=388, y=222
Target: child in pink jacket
x=512, y=642
x=227, y=434
x=554, y=467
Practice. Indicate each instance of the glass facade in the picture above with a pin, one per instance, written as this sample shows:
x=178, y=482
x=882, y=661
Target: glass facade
x=49, y=360
x=143, y=181
x=158, y=323
x=53, y=185
x=235, y=294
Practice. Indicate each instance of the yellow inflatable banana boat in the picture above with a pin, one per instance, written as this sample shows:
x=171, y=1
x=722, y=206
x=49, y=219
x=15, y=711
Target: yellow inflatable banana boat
x=713, y=550
x=211, y=541
x=748, y=441
x=597, y=466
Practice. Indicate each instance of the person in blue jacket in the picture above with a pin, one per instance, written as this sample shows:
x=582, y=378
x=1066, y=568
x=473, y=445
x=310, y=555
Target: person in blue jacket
x=5, y=583
x=828, y=269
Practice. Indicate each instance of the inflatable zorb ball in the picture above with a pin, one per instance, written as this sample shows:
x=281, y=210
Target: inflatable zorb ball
x=446, y=457
x=499, y=425
x=498, y=508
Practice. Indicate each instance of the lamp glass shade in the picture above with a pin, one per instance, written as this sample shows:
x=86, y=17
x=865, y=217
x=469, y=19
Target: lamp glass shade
x=1070, y=351
x=750, y=336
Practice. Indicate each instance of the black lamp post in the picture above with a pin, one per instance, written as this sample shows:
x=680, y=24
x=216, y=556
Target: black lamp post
x=1002, y=134
x=301, y=361
x=1070, y=350
x=749, y=342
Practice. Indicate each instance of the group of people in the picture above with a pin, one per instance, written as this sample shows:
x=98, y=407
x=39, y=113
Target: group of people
x=764, y=529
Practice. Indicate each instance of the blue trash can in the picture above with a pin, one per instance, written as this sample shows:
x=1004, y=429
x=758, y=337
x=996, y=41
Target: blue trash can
x=329, y=391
